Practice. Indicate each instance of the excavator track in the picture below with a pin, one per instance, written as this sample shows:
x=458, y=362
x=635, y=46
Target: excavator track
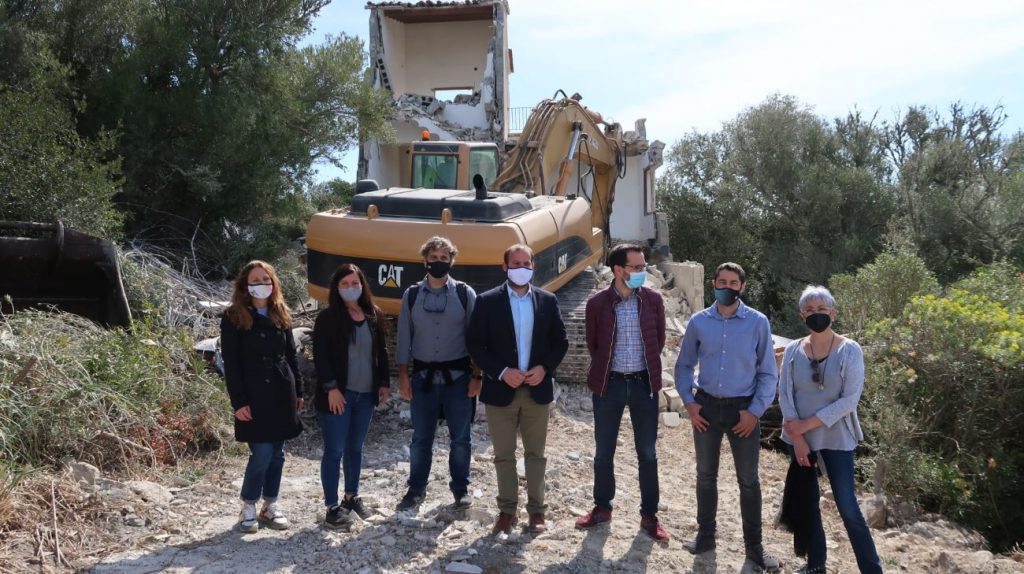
x=572, y=300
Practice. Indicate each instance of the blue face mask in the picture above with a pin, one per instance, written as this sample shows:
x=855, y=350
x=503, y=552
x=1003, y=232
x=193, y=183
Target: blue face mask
x=636, y=279
x=350, y=293
x=726, y=296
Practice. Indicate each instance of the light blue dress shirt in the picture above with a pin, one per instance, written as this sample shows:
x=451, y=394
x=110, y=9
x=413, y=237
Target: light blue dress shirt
x=736, y=357
x=522, y=318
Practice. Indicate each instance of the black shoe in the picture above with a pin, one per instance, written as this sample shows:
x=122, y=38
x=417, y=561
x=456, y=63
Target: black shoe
x=462, y=501
x=411, y=500
x=812, y=570
x=355, y=504
x=337, y=518
x=701, y=544
x=766, y=562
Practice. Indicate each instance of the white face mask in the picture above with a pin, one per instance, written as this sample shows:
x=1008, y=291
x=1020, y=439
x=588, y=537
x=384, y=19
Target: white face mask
x=260, y=291
x=520, y=276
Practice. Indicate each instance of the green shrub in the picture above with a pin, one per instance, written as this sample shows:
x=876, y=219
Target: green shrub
x=880, y=289
x=943, y=405
x=110, y=397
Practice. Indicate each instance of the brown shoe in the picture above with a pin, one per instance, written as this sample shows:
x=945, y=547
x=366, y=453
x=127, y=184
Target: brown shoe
x=504, y=523
x=596, y=516
x=537, y=525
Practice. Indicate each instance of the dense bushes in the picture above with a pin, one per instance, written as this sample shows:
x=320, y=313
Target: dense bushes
x=946, y=391
x=113, y=398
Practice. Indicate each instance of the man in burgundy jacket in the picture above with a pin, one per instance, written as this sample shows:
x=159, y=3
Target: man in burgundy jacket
x=625, y=336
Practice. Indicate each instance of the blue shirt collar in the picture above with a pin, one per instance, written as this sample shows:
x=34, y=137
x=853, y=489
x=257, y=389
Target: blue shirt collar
x=450, y=281
x=512, y=293
x=741, y=311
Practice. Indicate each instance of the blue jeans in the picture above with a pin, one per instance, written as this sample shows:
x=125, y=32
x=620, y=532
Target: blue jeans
x=722, y=415
x=458, y=411
x=344, y=436
x=839, y=467
x=263, y=471
x=643, y=412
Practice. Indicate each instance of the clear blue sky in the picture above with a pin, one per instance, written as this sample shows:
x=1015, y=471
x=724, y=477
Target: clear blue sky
x=691, y=67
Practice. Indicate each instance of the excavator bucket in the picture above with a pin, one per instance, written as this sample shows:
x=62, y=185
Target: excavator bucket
x=46, y=266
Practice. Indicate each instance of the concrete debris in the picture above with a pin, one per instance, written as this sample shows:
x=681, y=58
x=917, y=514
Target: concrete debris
x=670, y=420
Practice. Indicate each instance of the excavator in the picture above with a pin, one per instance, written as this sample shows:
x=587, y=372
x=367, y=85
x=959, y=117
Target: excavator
x=554, y=194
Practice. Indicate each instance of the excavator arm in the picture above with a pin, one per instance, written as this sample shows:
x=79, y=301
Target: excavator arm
x=562, y=138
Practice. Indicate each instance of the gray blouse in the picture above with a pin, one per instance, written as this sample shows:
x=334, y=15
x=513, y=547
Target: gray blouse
x=360, y=359
x=834, y=401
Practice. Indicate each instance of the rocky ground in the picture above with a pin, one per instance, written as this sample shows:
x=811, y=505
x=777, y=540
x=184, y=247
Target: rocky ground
x=191, y=528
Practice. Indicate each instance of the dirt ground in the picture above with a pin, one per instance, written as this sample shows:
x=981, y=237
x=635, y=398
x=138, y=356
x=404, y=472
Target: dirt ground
x=195, y=531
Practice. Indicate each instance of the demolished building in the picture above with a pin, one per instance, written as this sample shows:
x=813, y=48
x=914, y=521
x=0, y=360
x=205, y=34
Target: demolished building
x=447, y=66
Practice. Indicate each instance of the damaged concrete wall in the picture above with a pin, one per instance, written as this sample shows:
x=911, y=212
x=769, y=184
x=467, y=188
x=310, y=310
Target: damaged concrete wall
x=634, y=218
x=419, y=49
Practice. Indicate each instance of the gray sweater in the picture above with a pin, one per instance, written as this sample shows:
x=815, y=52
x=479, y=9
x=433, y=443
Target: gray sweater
x=836, y=404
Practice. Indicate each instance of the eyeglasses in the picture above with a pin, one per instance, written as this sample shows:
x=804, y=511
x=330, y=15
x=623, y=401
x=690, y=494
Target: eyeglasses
x=637, y=268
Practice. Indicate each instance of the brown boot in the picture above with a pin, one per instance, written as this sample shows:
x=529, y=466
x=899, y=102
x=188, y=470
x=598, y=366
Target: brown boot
x=537, y=525
x=504, y=523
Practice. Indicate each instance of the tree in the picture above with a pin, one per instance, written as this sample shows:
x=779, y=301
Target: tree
x=220, y=113
x=961, y=186
x=791, y=197
x=47, y=171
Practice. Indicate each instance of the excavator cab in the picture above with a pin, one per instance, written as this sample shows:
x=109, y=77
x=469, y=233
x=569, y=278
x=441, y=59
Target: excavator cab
x=452, y=165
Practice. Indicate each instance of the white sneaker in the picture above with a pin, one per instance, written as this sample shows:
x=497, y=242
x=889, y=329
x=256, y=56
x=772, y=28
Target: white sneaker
x=247, y=519
x=272, y=515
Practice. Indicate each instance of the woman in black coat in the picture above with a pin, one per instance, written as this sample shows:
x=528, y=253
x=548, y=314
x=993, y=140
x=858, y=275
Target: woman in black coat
x=351, y=359
x=263, y=381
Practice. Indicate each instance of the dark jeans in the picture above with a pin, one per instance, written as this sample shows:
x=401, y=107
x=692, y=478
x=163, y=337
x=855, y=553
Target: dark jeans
x=344, y=436
x=263, y=471
x=643, y=412
x=722, y=415
x=839, y=466
x=458, y=411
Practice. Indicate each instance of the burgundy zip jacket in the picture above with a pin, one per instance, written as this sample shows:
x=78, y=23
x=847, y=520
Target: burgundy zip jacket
x=601, y=334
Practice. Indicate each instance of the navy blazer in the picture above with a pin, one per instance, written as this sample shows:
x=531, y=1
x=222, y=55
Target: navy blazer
x=491, y=341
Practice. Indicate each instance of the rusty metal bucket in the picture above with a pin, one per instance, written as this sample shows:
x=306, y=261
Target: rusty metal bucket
x=46, y=266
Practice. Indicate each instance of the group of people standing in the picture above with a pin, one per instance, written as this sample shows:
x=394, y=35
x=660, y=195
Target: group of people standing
x=503, y=347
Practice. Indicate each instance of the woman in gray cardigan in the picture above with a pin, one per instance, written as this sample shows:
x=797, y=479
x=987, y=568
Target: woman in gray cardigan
x=819, y=387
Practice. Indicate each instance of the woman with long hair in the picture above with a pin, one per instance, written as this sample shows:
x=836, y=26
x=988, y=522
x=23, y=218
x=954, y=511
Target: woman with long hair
x=263, y=381
x=351, y=358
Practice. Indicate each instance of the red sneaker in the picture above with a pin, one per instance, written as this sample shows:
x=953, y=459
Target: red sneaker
x=649, y=523
x=596, y=516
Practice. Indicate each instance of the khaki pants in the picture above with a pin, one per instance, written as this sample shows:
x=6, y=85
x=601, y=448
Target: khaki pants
x=530, y=421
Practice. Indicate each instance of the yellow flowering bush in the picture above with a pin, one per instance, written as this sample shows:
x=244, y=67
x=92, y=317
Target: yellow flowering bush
x=944, y=400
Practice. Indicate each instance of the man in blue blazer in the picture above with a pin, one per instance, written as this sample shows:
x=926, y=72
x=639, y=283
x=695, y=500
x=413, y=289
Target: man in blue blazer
x=516, y=335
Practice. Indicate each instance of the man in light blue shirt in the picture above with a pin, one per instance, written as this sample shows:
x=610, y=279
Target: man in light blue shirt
x=517, y=337
x=732, y=344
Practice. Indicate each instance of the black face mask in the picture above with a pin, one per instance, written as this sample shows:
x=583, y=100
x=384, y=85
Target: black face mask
x=818, y=322
x=726, y=296
x=438, y=269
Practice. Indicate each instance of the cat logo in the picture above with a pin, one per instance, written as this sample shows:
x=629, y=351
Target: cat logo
x=390, y=275
x=563, y=262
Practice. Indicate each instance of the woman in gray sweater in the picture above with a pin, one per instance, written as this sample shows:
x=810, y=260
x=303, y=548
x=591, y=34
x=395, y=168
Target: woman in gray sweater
x=819, y=387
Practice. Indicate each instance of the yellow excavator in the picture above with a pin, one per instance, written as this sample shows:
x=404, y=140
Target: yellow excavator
x=554, y=194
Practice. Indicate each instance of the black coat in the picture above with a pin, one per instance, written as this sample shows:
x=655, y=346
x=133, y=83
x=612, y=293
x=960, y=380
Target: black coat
x=491, y=341
x=261, y=371
x=330, y=356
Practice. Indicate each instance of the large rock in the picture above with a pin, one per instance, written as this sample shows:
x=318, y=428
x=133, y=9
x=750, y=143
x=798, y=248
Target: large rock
x=150, y=492
x=84, y=472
